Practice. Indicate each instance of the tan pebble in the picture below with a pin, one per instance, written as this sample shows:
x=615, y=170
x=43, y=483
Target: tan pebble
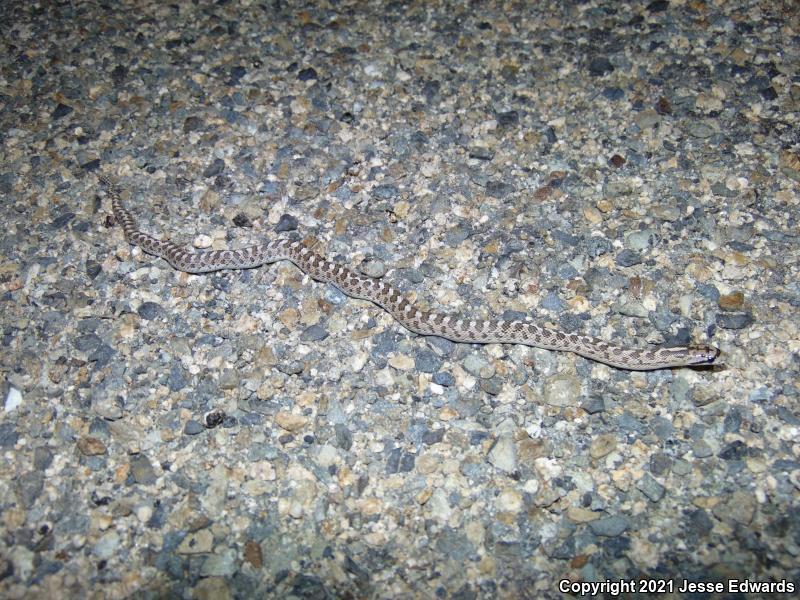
x=509, y=500
x=424, y=496
x=577, y=514
x=265, y=391
x=91, y=446
x=289, y=317
x=605, y=206
x=289, y=421
x=428, y=463
x=199, y=542
x=491, y=248
x=402, y=362
x=371, y=506
x=733, y=301
x=253, y=554
x=401, y=209
x=736, y=258
x=266, y=357
x=602, y=446
x=593, y=215
x=447, y=413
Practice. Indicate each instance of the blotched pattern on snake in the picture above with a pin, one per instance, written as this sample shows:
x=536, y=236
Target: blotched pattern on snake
x=457, y=329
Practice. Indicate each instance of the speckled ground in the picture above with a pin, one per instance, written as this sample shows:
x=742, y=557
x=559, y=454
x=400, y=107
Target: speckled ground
x=628, y=170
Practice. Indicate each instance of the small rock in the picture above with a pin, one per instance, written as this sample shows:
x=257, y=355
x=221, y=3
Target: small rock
x=91, y=446
x=314, y=333
x=650, y=488
x=477, y=366
x=213, y=418
x=373, y=267
x=220, y=565
x=289, y=421
x=13, y=399
x=492, y=386
x=701, y=449
x=193, y=427
x=610, y=526
x=253, y=554
x=594, y=405
x=562, y=390
x=386, y=191
x=599, y=66
x=509, y=500
x=503, y=454
x=628, y=258
x=444, y=379
x=142, y=470
x=733, y=301
x=426, y=361
x=603, y=445
x=402, y=362
x=735, y=320
x=739, y=507
x=344, y=439
x=150, y=310
x=286, y=223
x=307, y=74
x=106, y=546
x=197, y=542
x=578, y=514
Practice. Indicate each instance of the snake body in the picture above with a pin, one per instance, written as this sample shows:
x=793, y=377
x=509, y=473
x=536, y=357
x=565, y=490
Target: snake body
x=480, y=331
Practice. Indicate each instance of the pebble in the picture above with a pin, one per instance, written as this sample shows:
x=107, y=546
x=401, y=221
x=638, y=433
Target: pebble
x=477, y=366
x=503, y=454
x=91, y=446
x=196, y=542
x=651, y=488
x=142, y=470
x=562, y=390
x=611, y=526
x=444, y=379
x=426, y=361
x=193, y=427
x=286, y=223
x=735, y=320
x=290, y=421
x=628, y=258
x=107, y=545
x=314, y=333
x=220, y=565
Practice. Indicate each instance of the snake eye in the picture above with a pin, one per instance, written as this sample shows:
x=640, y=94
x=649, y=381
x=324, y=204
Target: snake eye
x=708, y=355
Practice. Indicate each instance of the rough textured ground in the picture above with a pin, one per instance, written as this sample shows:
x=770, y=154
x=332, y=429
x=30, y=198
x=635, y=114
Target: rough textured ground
x=629, y=170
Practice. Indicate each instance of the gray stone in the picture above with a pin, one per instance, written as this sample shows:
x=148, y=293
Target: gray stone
x=426, y=361
x=142, y=470
x=611, y=526
x=193, y=427
x=503, y=454
x=314, y=333
x=734, y=320
x=650, y=487
x=628, y=258
x=106, y=546
x=223, y=564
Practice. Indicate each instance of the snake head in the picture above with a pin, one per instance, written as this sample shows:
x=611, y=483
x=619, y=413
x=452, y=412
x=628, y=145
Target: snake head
x=701, y=355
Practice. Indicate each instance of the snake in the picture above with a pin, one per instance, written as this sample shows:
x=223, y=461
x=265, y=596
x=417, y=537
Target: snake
x=426, y=323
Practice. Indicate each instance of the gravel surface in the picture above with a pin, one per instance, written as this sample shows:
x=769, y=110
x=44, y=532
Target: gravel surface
x=628, y=170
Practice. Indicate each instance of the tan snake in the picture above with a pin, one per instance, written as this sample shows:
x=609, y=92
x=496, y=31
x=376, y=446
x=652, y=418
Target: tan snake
x=480, y=331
